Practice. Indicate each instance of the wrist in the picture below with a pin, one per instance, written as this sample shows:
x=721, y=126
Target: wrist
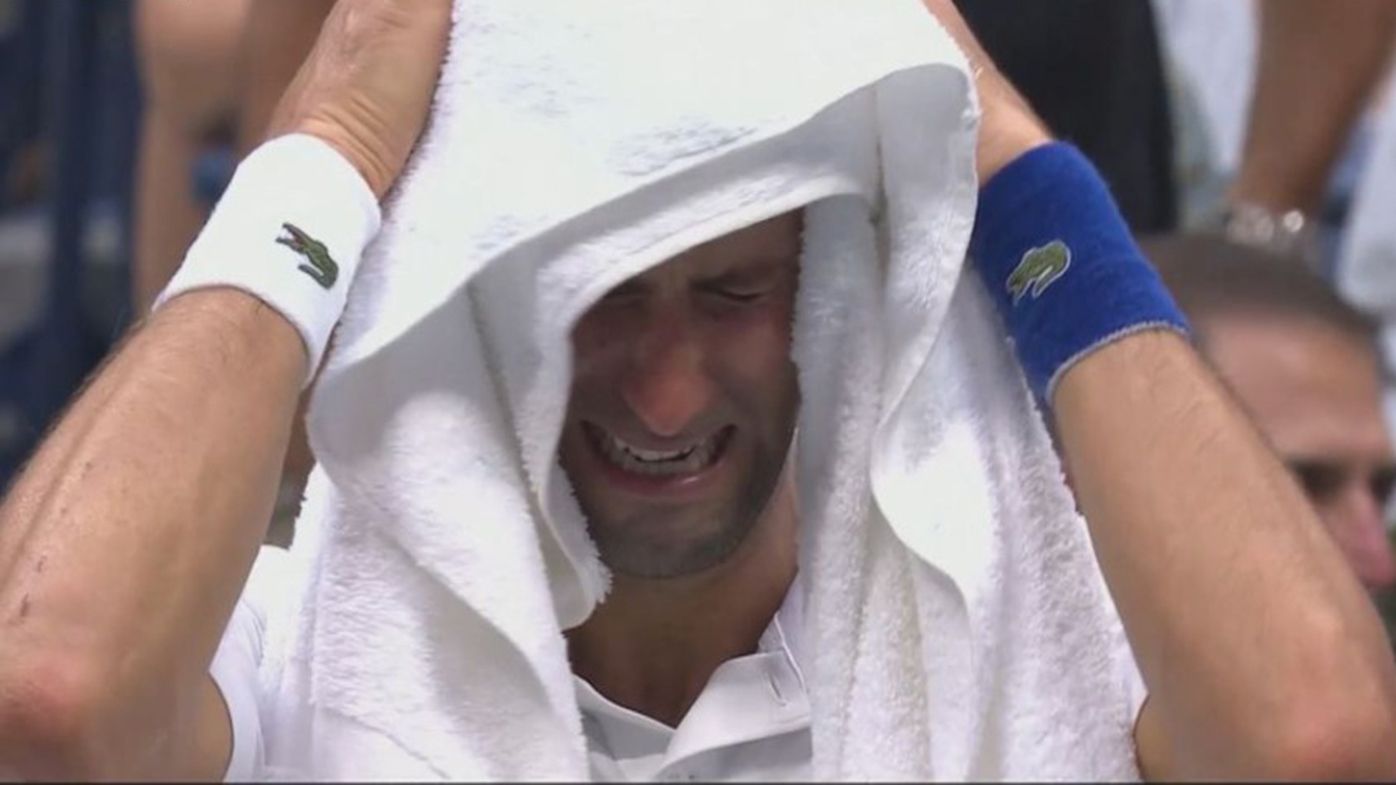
x=246, y=332
x=1001, y=147
x=1009, y=129
x=290, y=230
x=1061, y=266
x=371, y=166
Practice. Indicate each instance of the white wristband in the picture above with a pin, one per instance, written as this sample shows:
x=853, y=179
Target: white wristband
x=289, y=230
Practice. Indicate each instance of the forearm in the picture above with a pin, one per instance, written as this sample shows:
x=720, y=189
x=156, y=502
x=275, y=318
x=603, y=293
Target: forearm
x=1317, y=63
x=1261, y=652
x=125, y=544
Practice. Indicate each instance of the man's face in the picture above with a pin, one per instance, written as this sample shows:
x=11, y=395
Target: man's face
x=684, y=401
x=1315, y=393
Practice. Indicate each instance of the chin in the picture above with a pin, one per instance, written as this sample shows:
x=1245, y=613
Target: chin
x=661, y=545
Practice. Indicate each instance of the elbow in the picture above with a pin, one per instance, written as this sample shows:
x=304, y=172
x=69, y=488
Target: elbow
x=49, y=721
x=1352, y=742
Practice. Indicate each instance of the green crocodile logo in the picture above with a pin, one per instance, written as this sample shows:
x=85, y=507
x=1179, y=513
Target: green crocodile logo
x=322, y=268
x=1040, y=268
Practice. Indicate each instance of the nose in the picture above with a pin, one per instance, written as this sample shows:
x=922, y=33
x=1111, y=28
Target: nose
x=666, y=385
x=1360, y=529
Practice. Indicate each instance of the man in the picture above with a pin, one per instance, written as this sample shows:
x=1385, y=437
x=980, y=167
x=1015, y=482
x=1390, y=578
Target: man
x=116, y=590
x=1305, y=366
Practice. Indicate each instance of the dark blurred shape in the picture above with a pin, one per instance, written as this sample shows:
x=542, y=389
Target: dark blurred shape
x=68, y=88
x=1093, y=70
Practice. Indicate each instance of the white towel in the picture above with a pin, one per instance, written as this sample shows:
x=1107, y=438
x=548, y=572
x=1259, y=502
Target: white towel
x=958, y=625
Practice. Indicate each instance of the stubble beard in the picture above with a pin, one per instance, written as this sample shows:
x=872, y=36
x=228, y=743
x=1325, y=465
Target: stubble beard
x=626, y=551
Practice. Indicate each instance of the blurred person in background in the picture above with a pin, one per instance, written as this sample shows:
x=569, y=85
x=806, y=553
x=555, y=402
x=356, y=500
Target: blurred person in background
x=1318, y=64
x=1304, y=364
x=1275, y=103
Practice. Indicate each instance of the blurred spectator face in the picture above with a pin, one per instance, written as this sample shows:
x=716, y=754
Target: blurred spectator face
x=1315, y=392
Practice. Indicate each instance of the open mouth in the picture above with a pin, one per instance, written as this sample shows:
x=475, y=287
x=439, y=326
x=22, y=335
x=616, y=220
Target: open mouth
x=690, y=459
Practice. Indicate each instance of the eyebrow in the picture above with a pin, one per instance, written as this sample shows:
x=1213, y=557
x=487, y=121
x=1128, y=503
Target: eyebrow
x=754, y=268
x=735, y=279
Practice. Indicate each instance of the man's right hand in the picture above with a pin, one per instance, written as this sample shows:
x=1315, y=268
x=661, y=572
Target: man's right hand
x=368, y=84
x=126, y=542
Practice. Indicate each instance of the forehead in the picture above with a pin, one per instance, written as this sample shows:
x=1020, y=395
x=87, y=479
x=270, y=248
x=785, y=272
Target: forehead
x=773, y=244
x=1313, y=389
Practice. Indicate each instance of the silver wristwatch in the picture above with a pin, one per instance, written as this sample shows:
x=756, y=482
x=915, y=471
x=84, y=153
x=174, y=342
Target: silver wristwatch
x=1289, y=233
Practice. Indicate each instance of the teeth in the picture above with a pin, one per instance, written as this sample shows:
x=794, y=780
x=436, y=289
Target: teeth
x=653, y=455
x=658, y=462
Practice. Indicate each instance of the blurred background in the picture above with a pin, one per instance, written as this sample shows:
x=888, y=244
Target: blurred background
x=1265, y=127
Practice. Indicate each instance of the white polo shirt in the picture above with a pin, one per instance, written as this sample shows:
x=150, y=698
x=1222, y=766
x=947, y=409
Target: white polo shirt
x=751, y=721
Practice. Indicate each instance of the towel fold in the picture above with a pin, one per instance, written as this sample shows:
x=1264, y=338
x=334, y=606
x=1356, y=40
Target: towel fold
x=958, y=626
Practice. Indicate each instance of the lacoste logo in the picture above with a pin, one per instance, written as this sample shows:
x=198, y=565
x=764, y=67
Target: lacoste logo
x=1040, y=268
x=321, y=267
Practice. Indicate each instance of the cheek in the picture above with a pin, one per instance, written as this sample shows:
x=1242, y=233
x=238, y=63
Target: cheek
x=750, y=353
x=599, y=343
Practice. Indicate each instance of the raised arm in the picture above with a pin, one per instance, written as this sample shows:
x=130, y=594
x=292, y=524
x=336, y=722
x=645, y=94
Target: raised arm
x=125, y=543
x=1262, y=655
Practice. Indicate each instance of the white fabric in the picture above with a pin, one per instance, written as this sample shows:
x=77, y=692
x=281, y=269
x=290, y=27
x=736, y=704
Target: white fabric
x=1209, y=50
x=1367, y=268
x=750, y=723
x=295, y=180
x=958, y=624
x=239, y=657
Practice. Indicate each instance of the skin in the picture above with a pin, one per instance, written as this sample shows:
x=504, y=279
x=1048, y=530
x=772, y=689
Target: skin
x=104, y=669
x=1325, y=56
x=696, y=350
x=277, y=37
x=207, y=65
x=1202, y=536
x=1315, y=393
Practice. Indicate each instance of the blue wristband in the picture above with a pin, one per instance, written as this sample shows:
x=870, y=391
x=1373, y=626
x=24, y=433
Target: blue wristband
x=1061, y=264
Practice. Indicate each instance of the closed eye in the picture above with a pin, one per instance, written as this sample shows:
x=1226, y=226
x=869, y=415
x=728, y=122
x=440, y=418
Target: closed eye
x=1319, y=480
x=738, y=295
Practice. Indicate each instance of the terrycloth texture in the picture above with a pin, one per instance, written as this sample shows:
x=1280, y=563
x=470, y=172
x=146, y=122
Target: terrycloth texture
x=958, y=626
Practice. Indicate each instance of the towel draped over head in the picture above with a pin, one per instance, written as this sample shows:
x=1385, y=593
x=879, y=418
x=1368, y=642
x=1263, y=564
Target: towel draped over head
x=958, y=626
